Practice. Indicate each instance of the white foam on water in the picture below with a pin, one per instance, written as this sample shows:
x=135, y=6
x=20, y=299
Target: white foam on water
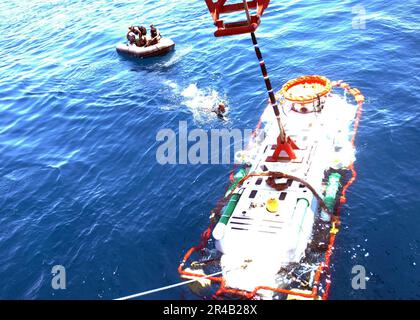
x=177, y=56
x=200, y=102
x=171, y=84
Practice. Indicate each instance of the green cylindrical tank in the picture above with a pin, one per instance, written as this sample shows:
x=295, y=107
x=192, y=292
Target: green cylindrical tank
x=331, y=190
x=219, y=230
x=239, y=175
x=228, y=209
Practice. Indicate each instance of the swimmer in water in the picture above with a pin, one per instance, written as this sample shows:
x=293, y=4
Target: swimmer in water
x=220, y=110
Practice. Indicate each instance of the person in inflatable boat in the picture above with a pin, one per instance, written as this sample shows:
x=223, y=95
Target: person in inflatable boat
x=141, y=40
x=142, y=30
x=137, y=36
x=155, y=36
x=131, y=36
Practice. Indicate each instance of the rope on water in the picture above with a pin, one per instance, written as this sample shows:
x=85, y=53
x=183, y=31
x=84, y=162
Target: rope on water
x=172, y=286
x=183, y=283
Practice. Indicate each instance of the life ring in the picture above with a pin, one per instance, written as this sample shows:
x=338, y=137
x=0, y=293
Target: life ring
x=319, y=85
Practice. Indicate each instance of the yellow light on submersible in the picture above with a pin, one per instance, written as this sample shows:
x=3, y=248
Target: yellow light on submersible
x=272, y=205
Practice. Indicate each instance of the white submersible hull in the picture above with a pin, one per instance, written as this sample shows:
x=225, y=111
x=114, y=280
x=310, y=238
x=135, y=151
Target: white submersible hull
x=273, y=233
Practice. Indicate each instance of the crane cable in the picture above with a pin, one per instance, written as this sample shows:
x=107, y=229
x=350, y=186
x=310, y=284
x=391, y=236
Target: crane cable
x=273, y=100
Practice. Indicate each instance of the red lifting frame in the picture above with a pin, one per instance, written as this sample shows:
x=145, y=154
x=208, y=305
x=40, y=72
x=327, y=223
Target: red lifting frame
x=233, y=28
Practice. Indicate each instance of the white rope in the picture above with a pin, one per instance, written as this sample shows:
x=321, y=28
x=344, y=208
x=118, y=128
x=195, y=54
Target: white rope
x=183, y=283
x=180, y=284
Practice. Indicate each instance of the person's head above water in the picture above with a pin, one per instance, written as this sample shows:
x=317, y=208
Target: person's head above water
x=222, y=107
x=220, y=110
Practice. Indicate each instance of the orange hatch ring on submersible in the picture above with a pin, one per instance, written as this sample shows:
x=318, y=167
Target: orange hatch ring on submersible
x=303, y=81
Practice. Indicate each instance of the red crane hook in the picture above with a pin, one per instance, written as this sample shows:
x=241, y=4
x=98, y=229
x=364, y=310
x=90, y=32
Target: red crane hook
x=232, y=28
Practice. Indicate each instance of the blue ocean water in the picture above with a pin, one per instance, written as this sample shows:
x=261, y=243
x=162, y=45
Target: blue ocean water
x=79, y=182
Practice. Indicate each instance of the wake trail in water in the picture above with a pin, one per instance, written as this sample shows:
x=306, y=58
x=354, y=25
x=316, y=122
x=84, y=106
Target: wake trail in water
x=177, y=56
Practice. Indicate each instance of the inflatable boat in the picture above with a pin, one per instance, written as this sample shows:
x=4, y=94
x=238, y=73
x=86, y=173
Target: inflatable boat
x=164, y=46
x=272, y=234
